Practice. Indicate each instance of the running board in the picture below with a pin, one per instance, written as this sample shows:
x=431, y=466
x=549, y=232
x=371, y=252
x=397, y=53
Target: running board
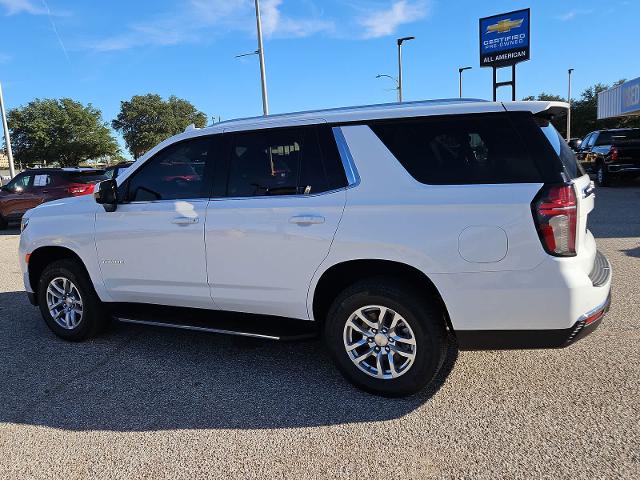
x=226, y=323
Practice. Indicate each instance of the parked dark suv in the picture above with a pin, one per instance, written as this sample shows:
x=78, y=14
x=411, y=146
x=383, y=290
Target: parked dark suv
x=610, y=154
x=33, y=187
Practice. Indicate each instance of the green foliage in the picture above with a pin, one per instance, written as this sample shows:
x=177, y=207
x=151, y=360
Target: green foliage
x=59, y=131
x=146, y=120
x=584, y=112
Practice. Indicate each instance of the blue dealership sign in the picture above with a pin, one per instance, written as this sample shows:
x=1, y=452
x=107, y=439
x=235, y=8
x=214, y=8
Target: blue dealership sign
x=504, y=38
x=630, y=96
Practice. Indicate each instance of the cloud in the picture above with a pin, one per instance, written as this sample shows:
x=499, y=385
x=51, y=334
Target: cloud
x=571, y=14
x=22, y=6
x=383, y=22
x=275, y=24
x=188, y=24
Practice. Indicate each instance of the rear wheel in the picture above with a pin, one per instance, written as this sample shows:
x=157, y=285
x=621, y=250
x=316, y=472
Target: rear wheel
x=385, y=338
x=68, y=303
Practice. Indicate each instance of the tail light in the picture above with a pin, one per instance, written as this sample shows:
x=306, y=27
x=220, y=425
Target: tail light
x=77, y=189
x=555, y=212
x=613, y=155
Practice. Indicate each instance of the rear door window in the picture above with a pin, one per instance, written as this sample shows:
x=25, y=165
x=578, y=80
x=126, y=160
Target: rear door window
x=286, y=161
x=460, y=149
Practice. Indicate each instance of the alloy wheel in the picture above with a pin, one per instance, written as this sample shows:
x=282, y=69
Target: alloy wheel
x=64, y=303
x=380, y=342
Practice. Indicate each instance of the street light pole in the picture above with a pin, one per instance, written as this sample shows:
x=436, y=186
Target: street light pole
x=7, y=138
x=569, y=112
x=460, y=70
x=400, y=42
x=263, y=75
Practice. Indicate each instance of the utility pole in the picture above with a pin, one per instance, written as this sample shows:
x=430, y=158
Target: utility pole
x=400, y=42
x=263, y=75
x=7, y=139
x=569, y=112
x=460, y=70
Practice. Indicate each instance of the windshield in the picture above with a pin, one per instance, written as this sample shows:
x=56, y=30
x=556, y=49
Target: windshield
x=568, y=158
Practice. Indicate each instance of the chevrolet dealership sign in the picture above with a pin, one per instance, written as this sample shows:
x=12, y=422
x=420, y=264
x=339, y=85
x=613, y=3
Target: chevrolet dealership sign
x=504, y=39
x=621, y=100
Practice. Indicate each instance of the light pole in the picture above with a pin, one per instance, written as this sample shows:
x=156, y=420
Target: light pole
x=460, y=70
x=7, y=138
x=263, y=75
x=569, y=112
x=392, y=78
x=400, y=42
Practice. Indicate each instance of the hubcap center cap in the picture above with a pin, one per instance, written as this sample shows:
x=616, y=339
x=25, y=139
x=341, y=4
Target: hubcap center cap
x=69, y=301
x=381, y=340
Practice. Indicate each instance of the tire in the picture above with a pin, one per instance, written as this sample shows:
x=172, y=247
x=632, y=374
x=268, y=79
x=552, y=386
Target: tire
x=70, y=276
x=425, y=323
x=3, y=223
x=602, y=176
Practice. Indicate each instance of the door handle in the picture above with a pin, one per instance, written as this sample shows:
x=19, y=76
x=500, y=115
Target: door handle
x=306, y=219
x=185, y=220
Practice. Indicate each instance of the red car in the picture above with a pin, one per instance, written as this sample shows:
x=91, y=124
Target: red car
x=33, y=187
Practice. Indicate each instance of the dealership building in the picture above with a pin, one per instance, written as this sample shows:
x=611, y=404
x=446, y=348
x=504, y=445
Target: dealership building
x=621, y=100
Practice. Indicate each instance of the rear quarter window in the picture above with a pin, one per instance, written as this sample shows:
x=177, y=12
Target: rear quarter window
x=462, y=149
x=570, y=164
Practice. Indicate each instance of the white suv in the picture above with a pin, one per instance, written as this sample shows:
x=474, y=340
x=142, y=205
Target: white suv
x=395, y=229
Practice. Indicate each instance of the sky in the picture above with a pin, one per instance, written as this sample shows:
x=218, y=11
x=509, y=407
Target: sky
x=319, y=53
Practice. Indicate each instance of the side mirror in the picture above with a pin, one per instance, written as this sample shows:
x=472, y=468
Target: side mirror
x=107, y=195
x=18, y=189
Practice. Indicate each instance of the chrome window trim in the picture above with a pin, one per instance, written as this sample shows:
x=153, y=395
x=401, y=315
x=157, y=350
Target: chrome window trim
x=349, y=165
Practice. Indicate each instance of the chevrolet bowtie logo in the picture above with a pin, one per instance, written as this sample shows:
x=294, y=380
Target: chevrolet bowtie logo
x=503, y=26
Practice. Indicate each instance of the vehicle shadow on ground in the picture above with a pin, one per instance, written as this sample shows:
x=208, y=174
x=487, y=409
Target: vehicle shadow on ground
x=142, y=378
x=10, y=231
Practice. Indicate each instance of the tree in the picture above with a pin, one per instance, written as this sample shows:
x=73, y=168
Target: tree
x=59, y=131
x=146, y=120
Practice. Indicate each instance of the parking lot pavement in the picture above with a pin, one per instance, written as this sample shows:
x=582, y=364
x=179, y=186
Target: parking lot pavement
x=150, y=403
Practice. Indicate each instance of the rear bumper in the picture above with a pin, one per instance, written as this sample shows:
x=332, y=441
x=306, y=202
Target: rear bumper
x=632, y=169
x=527, y=339
x=598, y=291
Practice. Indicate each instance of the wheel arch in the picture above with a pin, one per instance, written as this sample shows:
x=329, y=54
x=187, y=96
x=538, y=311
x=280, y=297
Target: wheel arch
x=340, y=275
x=43, y=256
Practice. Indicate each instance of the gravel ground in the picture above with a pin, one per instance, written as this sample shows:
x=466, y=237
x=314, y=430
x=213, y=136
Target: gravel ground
x=151, y=403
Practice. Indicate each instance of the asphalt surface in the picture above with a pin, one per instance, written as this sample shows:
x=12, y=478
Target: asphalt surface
x=151, y=403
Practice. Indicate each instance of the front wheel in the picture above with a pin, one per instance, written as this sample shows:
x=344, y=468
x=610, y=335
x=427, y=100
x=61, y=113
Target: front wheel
x=385, y=338
x=68, y=303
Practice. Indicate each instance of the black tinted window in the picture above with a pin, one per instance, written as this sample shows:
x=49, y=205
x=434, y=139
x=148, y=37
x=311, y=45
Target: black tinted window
x=177, y=172
x=568, y=158
x=617, y=136
x=459, y=149
x=336, y=177
x=278, y=162
x=86, y=177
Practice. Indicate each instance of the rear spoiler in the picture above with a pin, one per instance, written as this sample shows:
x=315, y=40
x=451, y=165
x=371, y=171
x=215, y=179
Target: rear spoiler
x=543, y=109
